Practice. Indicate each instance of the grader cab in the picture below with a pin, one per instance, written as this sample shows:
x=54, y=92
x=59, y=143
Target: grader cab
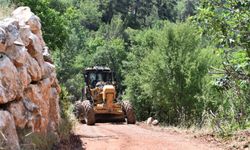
x=99, y=99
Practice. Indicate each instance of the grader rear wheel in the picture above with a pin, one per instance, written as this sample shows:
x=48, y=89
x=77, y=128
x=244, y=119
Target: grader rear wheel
x=129, y=112
x=89, y=114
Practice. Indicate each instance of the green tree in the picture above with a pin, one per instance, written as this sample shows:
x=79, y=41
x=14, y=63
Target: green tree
x=167, y=75
x=52, y=22
x=225, y=24
x=167, y=9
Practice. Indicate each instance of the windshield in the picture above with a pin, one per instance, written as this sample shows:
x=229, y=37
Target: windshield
x=100, y=77
x=92, y=77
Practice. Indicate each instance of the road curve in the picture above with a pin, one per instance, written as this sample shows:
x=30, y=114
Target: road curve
x=108, y=136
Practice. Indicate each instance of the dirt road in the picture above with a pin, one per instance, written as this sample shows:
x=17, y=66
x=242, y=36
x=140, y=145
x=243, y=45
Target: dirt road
x=107, y=136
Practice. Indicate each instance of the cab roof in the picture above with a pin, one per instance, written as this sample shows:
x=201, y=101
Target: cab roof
x=97, y=68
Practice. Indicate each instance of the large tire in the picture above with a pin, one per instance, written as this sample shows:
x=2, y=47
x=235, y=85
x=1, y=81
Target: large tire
x=79, y=111
x=129, y=112
x=89, y=114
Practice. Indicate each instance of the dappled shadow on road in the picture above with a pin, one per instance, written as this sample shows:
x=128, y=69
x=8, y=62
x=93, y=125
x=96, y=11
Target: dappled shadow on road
x=72, y=143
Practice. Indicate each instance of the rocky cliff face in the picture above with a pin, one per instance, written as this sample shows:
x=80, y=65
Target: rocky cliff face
x=29, y=89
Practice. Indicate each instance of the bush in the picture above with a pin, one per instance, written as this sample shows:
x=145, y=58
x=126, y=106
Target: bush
x=167, y=81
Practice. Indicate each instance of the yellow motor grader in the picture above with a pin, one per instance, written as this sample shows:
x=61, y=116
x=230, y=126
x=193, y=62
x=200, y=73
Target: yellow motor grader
x=99, y=99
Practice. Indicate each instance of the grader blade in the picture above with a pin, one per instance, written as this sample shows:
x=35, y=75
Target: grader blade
x=102, y=118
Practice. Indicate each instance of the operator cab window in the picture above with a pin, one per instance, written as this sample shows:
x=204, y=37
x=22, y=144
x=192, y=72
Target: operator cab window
x=95, y=77
x=92, y=78
x=99, y=77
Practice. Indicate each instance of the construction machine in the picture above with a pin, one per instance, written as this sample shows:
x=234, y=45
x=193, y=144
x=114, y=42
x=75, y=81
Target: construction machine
x=100, y=100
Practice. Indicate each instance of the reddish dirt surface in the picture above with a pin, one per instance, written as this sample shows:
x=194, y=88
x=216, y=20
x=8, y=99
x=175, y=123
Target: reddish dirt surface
x=108, y=136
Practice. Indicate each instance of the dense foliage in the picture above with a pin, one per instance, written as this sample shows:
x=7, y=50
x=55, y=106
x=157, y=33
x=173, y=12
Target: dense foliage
x=167, y=79
x=226, y=24
x=185, y=62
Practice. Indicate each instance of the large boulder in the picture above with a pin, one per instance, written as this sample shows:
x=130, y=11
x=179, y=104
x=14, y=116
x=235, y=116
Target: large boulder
x=8, y=135
x=38, y=94
x=10, y=85
x=11, y=29
x=34, y=48
x=33, y=114
x=54, y=114
x=24, y=76
x=25, y=114
x=25, y=34
x=17, y=54
x=26, y=17
x=49, y=70
x=34, y=69
x=18, y=111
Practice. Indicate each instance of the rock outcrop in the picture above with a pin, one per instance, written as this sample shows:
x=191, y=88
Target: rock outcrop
x=8, y=135
x=29, y=89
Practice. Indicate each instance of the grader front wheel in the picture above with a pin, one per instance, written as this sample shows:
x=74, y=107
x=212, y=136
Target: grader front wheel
x=89, y=114
x=79, y=111
x=129, y=112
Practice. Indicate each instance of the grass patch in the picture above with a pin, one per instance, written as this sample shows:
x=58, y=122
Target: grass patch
x=5, y=9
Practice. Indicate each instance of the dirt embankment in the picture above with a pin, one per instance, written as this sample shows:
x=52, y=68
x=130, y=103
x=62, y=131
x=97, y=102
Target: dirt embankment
x=108, y=136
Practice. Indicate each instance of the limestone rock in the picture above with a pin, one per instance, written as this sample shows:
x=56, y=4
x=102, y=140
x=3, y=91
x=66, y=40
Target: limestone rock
x=25, y=34
x=35, y=94
x=50, y=73
x=11, y=28
x=22, y=14
x=10, y=85
x=46, y=55
x=8, y=133
x=17, y=54
x=18, y=111
x=34, y=69
x=44, y=86
x=33, y=114
x=149, y=120
x=26, y=114
x=26, y=17
x=49, y=70
x=24, y=76
x=155, y=122
x=34, y=48
x=30, y=106
x=54, y=114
